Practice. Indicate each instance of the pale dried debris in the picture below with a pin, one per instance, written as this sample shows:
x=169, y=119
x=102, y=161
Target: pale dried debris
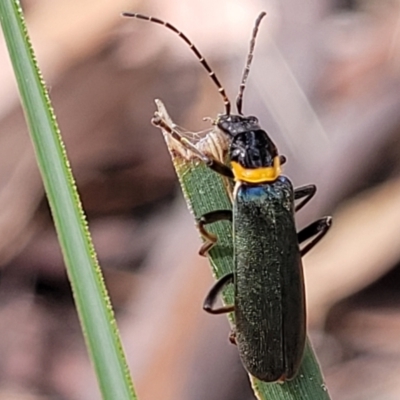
x=211, y=142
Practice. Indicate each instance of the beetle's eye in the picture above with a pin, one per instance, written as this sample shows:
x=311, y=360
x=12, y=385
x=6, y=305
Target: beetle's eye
x=235, y=152
x=253, y=120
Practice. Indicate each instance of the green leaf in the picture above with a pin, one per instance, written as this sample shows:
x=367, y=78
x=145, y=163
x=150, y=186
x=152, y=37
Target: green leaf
x=87, y=283
x=205, y=191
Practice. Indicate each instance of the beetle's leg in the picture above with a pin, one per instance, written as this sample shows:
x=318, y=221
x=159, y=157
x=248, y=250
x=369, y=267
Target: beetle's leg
x=209, y=218
x=232, y=336
x=213, y=293
x=318, y=229
x=218, y=167
x=307, y=191
x=212, y=163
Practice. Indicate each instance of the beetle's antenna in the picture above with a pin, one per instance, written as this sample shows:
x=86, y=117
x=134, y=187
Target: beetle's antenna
x=246, y=71
x=195, y=50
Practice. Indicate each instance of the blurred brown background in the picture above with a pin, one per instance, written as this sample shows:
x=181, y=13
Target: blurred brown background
x=325, y=83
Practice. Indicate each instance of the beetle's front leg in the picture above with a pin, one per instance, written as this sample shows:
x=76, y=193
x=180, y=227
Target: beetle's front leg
x=307, y=192
x=209, y=218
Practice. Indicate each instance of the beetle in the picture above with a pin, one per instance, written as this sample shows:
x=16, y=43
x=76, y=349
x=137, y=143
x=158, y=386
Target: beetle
x=269, y=296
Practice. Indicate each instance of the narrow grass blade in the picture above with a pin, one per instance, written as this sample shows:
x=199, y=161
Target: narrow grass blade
x=89, y=291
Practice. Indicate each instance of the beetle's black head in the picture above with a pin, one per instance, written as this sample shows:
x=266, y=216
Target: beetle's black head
x=250, y=145
x=254, y=156
x=235, y=124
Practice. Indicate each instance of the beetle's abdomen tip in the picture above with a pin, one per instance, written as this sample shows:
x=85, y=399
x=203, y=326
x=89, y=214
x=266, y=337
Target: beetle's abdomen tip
x=274, y=378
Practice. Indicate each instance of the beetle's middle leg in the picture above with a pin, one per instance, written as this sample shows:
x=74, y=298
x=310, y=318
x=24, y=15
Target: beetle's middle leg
x=214, y=292
x=318, y=229
x=209, y=218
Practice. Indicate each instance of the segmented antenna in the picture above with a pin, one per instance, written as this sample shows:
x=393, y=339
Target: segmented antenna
x=195, y=50
x=239, y=98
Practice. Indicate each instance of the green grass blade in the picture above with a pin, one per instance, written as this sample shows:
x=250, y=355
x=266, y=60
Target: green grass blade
x=89, y=291
x=205, y=191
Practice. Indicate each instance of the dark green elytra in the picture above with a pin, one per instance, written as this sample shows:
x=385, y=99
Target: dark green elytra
x=269, y=289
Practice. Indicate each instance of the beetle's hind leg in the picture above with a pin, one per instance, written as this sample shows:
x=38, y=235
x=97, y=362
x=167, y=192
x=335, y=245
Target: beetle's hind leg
x=212, y=297
x=318, y=229
x=232, y=336
x=214, y=292
x=209, y=218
